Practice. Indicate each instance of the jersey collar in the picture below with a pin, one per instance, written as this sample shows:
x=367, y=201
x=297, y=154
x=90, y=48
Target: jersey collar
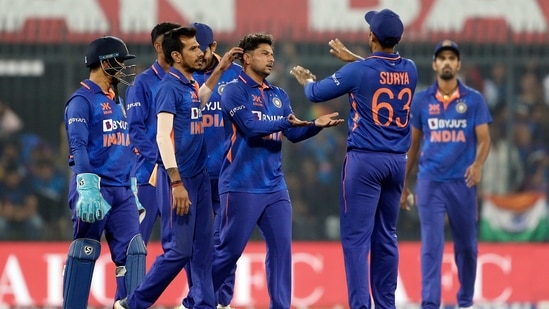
x=461, y=88
x=387, y=56
x=250, y=82
x=158, y=70
x=177, y=74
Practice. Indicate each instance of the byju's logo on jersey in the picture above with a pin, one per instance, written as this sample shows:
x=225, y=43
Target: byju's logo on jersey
x=257, y=115
x=110, y=125
x=196, y=113
x=277, y=102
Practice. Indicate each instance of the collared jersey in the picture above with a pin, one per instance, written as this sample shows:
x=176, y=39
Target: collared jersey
x=98, y=135
x=179, y=96
x=380, y=90
x=141, y=110
x=212, y=117
x=449, y=141
x=256, y=117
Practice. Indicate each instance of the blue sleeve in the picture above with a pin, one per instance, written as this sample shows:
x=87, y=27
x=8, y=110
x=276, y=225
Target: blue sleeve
x=340, y=83
x=77, y=115
x=165, y=100
x=296, y=134
x=234, y=104
x=482, y=114
x=415, y=112
x=138, y=105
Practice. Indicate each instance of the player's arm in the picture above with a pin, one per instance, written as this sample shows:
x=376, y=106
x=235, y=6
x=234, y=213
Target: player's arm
x=77, y=117
x=341, y=52
x=205, y=91
x=138, y=104
x=474, y=171
x=234, y=104
x=333, y=86
x=180, y=196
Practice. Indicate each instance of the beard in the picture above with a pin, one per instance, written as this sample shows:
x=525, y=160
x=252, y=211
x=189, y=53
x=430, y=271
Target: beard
x=446, y=75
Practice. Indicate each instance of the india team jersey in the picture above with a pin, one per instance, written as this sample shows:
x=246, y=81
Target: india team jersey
x=179, y=96
x=141, y=112
x=213, y=118
x=449, y=141
x=380, y=90
x=256, y=118
x=98, y=135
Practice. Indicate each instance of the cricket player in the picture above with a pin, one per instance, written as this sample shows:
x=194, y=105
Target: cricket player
x=141, y=111
x=186, y=219
x=450, y=127
x=100, y=194
x=380, y=90
x=252, y=188
x=217, y=71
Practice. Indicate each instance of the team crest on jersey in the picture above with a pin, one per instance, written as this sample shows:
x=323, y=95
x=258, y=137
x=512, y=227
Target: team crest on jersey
x=461, y=107
x=277, y=102
x=221, y=88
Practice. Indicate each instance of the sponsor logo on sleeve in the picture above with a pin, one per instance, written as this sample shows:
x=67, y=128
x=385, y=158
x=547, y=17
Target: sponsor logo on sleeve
x=76, y=120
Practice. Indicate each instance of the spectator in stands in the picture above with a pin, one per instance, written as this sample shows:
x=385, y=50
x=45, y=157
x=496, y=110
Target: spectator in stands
x=19, y=207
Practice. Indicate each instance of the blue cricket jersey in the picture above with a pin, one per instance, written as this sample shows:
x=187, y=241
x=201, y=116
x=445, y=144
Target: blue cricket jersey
x=256, y=117
x=212, y=117
x=141, y=112
x=449, y=140
x=179, y=96
x=380, y=90
x=98, y=135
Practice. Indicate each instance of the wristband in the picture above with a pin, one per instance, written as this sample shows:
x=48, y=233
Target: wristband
x=176, y=183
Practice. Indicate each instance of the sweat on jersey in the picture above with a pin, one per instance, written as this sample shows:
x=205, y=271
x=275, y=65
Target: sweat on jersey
x=141, y=110
x=256, y=117
x=212, y=117
x=98, y=135
x=449, y=142
x=179, y=96
x=380, y=90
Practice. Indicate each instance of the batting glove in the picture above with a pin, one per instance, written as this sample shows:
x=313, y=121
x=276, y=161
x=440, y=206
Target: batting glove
x=91, y=205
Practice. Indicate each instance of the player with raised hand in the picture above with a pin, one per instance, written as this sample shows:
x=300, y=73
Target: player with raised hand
x=100, y=194
x=380, y=89
x=216, y=72
x=182, y=180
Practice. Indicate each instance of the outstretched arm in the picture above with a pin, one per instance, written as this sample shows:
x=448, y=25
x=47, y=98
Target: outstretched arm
x=341, y=52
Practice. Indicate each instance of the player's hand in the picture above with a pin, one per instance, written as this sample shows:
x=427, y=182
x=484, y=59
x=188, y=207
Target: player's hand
x=407, y=200
x=302, y=75
x=473, y=174
x=341, y=52
x=90, y=206
x=294, y=121
x=328, y=120
x=230, y=56
x=180, y=198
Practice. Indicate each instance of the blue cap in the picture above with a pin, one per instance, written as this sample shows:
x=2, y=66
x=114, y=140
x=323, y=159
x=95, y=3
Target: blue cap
x=386, y=26
x=446, y=45
x=204, y=35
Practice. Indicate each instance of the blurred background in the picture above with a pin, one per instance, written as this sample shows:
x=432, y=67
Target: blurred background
x=504, y=47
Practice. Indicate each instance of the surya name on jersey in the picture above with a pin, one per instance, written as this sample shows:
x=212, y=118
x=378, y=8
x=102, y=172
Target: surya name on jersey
x=447, y=130
x=115, y=138
x=213, y=119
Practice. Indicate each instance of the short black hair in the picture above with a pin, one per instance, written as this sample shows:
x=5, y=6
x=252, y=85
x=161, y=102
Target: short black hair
x=252, y=41
x=162, y=28
x=172, y=41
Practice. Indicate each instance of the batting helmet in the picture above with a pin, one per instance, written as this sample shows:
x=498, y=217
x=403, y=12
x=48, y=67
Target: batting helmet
x=105, y=48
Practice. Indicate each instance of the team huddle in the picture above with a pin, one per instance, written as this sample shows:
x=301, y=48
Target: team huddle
x=197, y=141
